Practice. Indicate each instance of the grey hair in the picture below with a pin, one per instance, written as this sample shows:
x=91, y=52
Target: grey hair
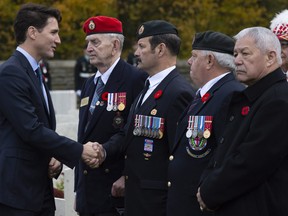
x=265, y=40
x=224, y=60
x=120, y=37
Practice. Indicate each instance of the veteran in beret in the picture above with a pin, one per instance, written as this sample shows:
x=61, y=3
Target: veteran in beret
x=211, y=71
x=150, y=131
x=279, y=26
x=248, y=172
x=105, y=103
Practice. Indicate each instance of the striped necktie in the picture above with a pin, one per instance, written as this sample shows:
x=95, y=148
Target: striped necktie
x=98, y=91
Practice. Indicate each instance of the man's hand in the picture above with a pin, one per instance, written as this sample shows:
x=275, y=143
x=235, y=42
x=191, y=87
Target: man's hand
x=201, y=202
x=118, y=187
x=93, y=154
x=55, y=167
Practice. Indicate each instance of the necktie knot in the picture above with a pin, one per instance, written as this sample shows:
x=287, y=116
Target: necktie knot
x=147, y=84
x=39, y=74
x=98, y=91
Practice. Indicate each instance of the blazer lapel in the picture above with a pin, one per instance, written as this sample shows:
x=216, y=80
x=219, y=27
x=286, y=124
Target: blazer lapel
x=183, y=122
x=31, y=73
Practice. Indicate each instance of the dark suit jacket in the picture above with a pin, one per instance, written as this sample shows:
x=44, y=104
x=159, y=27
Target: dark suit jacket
x=28, y=140
x=93, y=186
x=184, y=170
x=248, y=173
x=146, y=172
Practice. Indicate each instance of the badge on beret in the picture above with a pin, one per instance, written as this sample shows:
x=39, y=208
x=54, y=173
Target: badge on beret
x=141, y=30
x=91, y=25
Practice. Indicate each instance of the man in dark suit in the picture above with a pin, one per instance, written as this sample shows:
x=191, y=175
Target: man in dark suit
x=150, y=130
x=211, y=70
x=121, y=84
x=30, y=149
x=248, y=173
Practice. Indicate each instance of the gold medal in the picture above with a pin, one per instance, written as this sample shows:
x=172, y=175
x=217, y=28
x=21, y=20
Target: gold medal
x=160, y=133
x=206, y=134
x=121, y=106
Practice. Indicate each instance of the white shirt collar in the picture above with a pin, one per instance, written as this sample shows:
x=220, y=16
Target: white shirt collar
x=210, y=83
x=34, y=64
x=157, y=78
x=105, y=76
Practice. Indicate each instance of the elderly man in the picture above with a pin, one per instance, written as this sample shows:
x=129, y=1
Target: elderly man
x=211, y=71
x=105, y=103
x=150, y=130
x=248, y=172
x=279, y=26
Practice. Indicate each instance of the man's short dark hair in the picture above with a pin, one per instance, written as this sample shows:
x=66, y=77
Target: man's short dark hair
x=172, y=42
x=33, y=15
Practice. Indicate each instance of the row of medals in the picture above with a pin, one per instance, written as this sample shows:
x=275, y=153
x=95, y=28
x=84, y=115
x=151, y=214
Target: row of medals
x=148, y=126
x=116, y=101
x=196, y=126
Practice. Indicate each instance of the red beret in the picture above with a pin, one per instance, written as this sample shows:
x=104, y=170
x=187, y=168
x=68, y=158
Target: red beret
x=102, y=24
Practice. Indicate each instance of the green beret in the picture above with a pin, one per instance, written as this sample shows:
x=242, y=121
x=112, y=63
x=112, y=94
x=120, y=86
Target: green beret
x=213, y=41
x=155, y=27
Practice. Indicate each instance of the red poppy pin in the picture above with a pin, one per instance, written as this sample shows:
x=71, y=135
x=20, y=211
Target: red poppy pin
x=158, y=94
x=245, y=110
x=104, y=96
x=205, y=97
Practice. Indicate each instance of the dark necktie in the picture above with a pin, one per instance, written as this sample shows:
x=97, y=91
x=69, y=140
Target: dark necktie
x=147, y=84
x=196, y=99
x=40, y=79
x=98, y=91
x=39, y=75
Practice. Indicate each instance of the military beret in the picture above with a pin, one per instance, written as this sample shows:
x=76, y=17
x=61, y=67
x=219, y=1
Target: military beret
x=102, y=24
x=213, y=41
x=155, y=27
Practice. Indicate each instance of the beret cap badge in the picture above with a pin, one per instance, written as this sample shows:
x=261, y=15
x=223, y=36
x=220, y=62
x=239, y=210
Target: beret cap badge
x=91, y=25
x=141, y=30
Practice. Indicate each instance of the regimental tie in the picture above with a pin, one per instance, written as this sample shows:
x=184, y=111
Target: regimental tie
x=98, y=91
x=40, y=79
x=196, y=99
x=140, y=101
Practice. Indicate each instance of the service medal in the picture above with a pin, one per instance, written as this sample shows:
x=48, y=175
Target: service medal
x=121, y=106
x=206, y=134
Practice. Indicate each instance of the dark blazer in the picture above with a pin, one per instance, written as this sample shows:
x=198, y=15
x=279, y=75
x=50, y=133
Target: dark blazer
x=28, y=140
x=248, y=173
x=184, y=168
x=146, y=171
x=93, y=186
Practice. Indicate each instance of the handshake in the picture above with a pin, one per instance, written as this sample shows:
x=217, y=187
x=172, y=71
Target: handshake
x=93, y=154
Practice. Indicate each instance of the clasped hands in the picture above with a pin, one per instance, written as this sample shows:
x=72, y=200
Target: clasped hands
x=93, y=154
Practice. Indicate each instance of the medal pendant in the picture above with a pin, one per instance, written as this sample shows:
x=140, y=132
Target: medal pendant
x=115, y=108
x=121, y=106
x=189, y=133
x=135, y=131
x=206, y=134
x=109, y=108
x=160, y=134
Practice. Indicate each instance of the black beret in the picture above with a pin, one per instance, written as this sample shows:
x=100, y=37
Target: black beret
x=155, y=27
x=213, y=41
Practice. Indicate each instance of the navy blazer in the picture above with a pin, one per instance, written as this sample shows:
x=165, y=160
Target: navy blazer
x=28, y=140
x=93, y=186
x=186, y=165
x=146, y=170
